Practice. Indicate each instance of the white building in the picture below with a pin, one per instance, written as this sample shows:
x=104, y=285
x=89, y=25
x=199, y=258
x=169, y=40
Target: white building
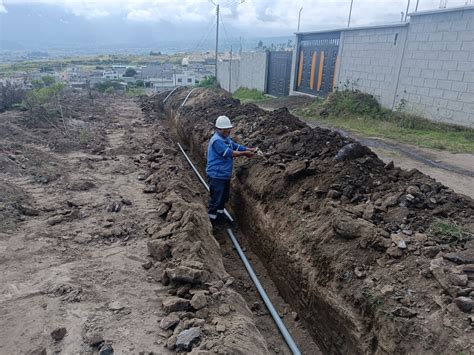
x=110, y=74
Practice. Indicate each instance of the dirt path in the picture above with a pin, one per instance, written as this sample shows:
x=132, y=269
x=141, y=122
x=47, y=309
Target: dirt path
x=453, y=170
x=76, y=265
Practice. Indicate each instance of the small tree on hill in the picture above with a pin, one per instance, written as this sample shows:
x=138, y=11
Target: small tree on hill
x=130, y=72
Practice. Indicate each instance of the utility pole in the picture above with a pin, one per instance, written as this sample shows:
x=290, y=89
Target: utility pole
x=416, y=7
x=217, y=36
x=299, y=18
x=406, y=12
x=230, y=71
x=350, y=14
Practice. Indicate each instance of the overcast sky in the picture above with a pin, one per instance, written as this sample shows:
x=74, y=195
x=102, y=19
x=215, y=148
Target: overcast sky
x=195, y=18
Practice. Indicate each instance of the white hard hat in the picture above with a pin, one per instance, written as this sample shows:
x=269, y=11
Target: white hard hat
x=223, y=122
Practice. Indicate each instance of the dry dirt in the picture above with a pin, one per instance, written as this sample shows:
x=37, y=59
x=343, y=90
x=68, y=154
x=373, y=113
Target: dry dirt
x=105, y=243
x=374, y=258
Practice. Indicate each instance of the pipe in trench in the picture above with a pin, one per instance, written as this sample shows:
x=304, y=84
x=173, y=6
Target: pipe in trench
x=281, y=326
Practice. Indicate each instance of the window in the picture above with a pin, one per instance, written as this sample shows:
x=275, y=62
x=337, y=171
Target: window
x=190, y=80
x=180, y=80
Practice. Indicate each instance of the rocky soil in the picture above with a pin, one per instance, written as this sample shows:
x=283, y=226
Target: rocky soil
x=105, y=245
x=374, y=258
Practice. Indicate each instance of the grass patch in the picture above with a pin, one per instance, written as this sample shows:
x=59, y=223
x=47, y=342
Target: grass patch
x=135, y=92
x=249, y=95
x=360, y=113
x=450, y=232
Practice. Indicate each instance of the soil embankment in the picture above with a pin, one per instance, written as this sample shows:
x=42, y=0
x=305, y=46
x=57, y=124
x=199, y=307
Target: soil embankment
x=375, y=259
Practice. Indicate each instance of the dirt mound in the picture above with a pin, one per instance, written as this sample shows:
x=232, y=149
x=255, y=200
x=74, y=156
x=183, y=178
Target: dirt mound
x=368, y=253
x=186, y=257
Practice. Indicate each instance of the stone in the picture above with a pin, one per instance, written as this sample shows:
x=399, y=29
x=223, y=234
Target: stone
x=58, y=334
x=220, y=327
x=126, y=201
x=387, y=289
x=55, y=220
x=188, y=338
x=202, y=313
x=394, y=252
x=390, y=201
x=171, y=342
x=170, y=321
x=106, y=349
x=410, y=197
x=223, y=309
x=114, y=207
x=462, y=257
x=458, y=279
x=413, y=190
x=295, y=169
x=404, y=312
x=147, y=265
x=95, y=339
x=163, y=209
x=183, y=290
x=149, y=189
x=184, y=274
x=159, y=249
x=465, y=304
x=28, y=211
x=334, y=194
x=352, y=151
x=396, y=215
x=421, y=237
x=199, y=301
x=176, y=304
x=368, y=213
x=350, y=228
x=115, y=306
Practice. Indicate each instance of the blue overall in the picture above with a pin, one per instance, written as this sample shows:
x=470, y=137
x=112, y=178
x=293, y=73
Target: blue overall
x=219, y=171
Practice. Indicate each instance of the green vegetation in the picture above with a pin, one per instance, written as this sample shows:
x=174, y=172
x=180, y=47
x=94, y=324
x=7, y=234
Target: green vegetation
x=450, y=232
x=130, y=72
x=110, y=86
x=249, y=95
x=44, y=91
x=357, y=112
x=209, y=81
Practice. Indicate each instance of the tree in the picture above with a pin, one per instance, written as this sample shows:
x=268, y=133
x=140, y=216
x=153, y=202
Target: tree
x=130, y=72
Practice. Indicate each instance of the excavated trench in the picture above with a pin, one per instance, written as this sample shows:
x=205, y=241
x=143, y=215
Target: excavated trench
x=347, y=240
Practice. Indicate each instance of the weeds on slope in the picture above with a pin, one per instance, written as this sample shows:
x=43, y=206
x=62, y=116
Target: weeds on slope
x=358, y=112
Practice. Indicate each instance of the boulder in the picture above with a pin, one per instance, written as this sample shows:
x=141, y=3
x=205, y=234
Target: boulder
x=188, y=338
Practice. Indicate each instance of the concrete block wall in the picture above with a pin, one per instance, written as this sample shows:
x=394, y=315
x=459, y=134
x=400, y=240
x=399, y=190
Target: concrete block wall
x=249, y=70
x=437, y=73
x=370, y=60
x=428, y=70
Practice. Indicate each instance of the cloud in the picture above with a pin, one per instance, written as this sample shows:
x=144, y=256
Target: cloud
x=3, y=9
x=252, y=17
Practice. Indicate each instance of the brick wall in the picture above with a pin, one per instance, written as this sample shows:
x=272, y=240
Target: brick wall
x=428, y=70
x=248, y=70
x=437, y=74
x=371, y=59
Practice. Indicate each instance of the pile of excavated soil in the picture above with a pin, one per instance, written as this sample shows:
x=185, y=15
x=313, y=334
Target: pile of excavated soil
x=187, y=259
x=374, y=258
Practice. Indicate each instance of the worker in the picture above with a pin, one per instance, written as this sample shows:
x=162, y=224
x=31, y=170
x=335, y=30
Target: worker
x=221, y=152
